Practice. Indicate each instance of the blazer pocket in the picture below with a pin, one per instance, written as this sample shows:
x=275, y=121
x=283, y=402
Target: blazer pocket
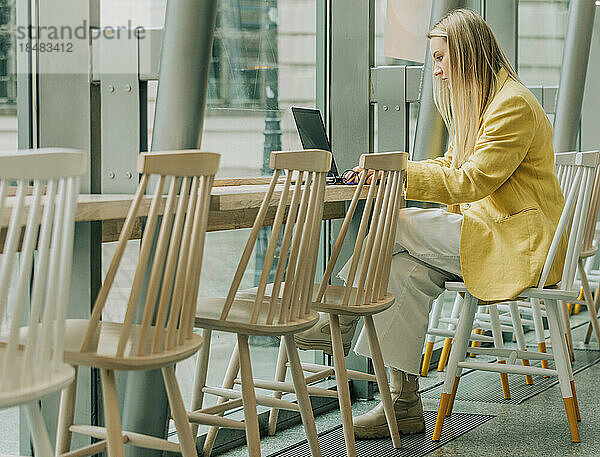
x=518, y=214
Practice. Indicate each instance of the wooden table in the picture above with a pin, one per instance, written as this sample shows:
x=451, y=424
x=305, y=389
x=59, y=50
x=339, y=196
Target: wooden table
x=231, y=207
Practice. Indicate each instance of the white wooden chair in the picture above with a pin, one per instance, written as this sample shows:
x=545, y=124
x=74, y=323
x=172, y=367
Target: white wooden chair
x=577, y=169
x=164, y=336
x=365, y=293
x=284, y=312
x=588, y=251
x=513, y=321
x=31, y=356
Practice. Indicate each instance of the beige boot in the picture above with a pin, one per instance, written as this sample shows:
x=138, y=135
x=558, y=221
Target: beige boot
x=318, y=337
x=407, y=405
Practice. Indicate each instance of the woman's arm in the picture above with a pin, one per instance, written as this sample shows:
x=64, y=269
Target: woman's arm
x=507, y=133
x=443, y=161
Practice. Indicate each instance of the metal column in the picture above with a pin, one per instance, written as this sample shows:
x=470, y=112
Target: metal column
x=184, y=68
x=181, y=100
x=590, y=136
x=572, y=77
x=67, y=115
x=351, y=47
x=431, y=135
x=502, y=17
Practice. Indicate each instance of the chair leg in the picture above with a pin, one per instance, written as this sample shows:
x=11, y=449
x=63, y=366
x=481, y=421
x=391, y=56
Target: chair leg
x=563, y=366
x=444, y=355
x=114, y=435
x=448, y=342
x=566, y=327
x=499, y=344
x=589, y=300
x=520, y=335
x=66, y=416
x=306, y=412
x=538, y=325
x=476, y=344
x=450, y=404
x=588, y=335
x=382, y=381
x=434, y=321
x=249, y=398
x=341, y=377
x=232, y=371
x=280, y=372
x=39, y=433
x=187, y=443
x=457, y=354
x=200, y=376
x=427, y=358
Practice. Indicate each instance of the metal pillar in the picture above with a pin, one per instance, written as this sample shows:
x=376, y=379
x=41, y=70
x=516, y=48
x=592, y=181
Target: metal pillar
x=572, y=78
x=178, y=121
x=590, y=136
x=502, y=17
x=272, y=130
x=431, y=135
x=66, y=113
x=184, y=68
x=351, y=54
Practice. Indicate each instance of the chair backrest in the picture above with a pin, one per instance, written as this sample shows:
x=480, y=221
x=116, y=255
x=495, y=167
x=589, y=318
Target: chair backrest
x=592, y=216
x=37, y=285
x=384, y=200
x=306, y=172
x=576, y=172
x=171, y=253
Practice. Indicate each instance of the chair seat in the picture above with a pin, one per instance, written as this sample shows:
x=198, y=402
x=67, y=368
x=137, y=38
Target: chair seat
x=38, y=389
x=549, y=292
x=208, y=315
x=106, y=341
x=333, y=298
x=585, y=253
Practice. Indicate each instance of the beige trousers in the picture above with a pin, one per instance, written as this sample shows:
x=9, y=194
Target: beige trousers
x=426, y=256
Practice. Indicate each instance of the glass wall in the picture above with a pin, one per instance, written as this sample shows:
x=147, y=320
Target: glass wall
x=9, y=418
x=263, y=62
x=542, y=28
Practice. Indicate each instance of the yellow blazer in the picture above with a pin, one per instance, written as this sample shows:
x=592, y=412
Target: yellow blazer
x=508, y=193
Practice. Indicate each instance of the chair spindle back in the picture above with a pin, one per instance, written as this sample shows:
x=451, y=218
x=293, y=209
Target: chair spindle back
x=42, y=222
x=576, y=172
x=592, y=217
x=380, y=215
x=306, y=172
x=170, y=254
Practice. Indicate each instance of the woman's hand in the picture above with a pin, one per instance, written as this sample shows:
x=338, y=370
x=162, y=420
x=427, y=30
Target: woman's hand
x=355, y=175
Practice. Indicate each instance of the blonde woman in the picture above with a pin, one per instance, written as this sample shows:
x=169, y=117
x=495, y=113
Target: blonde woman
x=503, y=205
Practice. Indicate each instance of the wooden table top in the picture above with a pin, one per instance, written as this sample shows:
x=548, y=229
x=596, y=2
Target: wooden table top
x=101, y=207
x=231, y=207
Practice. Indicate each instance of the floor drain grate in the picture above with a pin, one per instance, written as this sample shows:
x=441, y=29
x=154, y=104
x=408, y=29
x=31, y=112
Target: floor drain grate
x=332, y=441
x=482, y=386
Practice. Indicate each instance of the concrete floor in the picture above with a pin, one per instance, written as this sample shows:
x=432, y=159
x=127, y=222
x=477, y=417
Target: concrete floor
x=537, y=427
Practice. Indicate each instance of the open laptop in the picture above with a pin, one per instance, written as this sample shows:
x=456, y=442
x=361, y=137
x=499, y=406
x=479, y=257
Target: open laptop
x=313, y=136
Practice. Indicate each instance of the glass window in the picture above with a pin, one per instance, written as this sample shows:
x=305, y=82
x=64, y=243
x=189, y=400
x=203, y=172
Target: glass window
x=9, y=418
x=263, y=62
x=542, y=29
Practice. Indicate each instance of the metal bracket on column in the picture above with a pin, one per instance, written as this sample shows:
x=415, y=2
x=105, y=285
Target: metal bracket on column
x=546, y=95
x=388, y=91
x=414, y=74
x=120, y=98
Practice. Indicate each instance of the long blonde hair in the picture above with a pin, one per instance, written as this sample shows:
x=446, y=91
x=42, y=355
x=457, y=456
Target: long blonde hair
x=475, y=58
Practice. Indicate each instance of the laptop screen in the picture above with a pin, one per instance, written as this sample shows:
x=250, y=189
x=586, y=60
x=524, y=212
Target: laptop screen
x=312, y=131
